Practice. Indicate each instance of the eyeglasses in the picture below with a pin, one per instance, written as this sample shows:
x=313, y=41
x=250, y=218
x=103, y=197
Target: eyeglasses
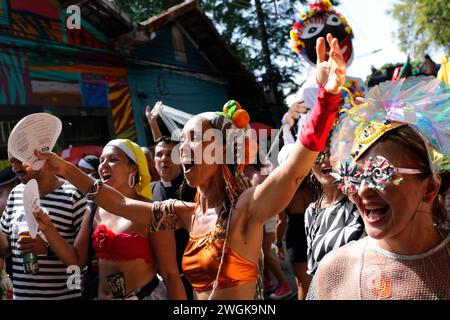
x=321, y=157
x=378, y=172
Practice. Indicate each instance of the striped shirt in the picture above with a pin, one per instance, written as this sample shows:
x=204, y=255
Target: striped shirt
x=330, y=228
x=66, y=207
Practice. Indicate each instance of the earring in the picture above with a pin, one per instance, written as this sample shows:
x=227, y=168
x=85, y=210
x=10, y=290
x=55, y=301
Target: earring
x=131, y=180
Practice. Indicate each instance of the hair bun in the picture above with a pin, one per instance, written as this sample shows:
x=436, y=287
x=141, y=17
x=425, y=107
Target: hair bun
x=233, y=111
x=230, y=107
x=240, y=118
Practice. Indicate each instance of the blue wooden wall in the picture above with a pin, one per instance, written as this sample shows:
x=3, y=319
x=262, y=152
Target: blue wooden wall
x=181, y=89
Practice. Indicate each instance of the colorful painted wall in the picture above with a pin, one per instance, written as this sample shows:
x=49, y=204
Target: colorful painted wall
x=43, y=63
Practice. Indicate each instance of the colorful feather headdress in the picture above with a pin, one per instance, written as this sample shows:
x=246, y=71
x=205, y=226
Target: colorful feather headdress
x=423, y=103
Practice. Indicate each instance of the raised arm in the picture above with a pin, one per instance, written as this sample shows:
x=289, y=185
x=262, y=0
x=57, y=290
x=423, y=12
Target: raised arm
x=275, y=193
x=106, y=197
x=152, y=118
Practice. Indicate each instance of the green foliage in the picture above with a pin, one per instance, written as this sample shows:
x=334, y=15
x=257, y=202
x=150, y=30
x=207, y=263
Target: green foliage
x=237, y=23
x=424, y=24
x=140, y=10
x=383, y=70
x=238, y=26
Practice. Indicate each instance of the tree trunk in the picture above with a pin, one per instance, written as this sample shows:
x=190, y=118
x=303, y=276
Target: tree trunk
x=270, y=74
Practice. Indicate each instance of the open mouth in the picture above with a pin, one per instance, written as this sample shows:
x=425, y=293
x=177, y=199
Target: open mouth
x=375, y=213
x=105, y=176
x=327, y=170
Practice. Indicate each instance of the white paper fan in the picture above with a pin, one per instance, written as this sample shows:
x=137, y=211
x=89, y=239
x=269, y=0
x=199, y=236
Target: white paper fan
x=37, y=131
x=30, y=203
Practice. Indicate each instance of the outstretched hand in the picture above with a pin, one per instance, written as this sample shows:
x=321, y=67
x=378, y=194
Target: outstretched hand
x=330, y=73
x=294, y=112
x=153, y=114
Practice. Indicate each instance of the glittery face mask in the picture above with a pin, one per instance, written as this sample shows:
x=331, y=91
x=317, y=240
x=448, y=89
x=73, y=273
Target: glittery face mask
x=321, y=157
x=378, y=172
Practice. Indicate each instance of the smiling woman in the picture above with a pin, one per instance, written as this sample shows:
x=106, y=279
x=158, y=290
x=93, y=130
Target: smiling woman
x=128, y=254
x=400, y=141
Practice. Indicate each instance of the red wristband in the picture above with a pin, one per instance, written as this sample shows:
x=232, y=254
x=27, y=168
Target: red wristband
x=315, y=132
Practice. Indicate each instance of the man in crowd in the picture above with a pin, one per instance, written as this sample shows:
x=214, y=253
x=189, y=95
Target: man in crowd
x=66, y=206
x=171, y=178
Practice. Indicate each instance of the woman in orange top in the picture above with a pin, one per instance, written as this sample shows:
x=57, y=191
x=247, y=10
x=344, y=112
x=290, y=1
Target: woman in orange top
x=227, y=222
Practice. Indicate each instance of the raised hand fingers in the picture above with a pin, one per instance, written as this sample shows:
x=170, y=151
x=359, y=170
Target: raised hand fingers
x=330, y=38
x=299, y=107
x=336, y=53
x=320, y=50
x=43, y=155
x=39, y=214
x=294, y=113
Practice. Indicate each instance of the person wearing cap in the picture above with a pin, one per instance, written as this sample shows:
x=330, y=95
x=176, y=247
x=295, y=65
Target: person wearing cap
x=65, y=206
x=8, y=180
x=89, y=165
x=128, y=254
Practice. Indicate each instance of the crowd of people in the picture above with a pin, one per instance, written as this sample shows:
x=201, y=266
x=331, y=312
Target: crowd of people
x=356, y=205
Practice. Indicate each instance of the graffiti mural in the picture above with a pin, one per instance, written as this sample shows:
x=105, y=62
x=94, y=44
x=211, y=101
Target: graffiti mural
x=4, y=14
x=120, y=100
x=15, y=86
x=42, y=63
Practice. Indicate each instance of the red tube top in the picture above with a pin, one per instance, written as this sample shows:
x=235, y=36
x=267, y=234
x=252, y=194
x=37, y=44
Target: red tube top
x=121, y=246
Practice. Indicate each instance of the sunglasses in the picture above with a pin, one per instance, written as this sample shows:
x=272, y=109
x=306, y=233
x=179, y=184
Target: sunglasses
x=321, y=157
x=378, y=172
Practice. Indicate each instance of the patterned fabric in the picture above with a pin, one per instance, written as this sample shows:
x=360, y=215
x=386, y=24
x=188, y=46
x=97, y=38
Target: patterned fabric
x=66, y=207
x=330, y=228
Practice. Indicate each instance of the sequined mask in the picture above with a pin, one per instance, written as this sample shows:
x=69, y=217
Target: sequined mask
x=378, y=172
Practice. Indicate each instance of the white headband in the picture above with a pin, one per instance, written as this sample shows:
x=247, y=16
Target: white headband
x=122, y=146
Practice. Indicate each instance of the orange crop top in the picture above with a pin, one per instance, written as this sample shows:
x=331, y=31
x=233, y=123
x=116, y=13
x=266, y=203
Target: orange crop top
x=201, y=262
